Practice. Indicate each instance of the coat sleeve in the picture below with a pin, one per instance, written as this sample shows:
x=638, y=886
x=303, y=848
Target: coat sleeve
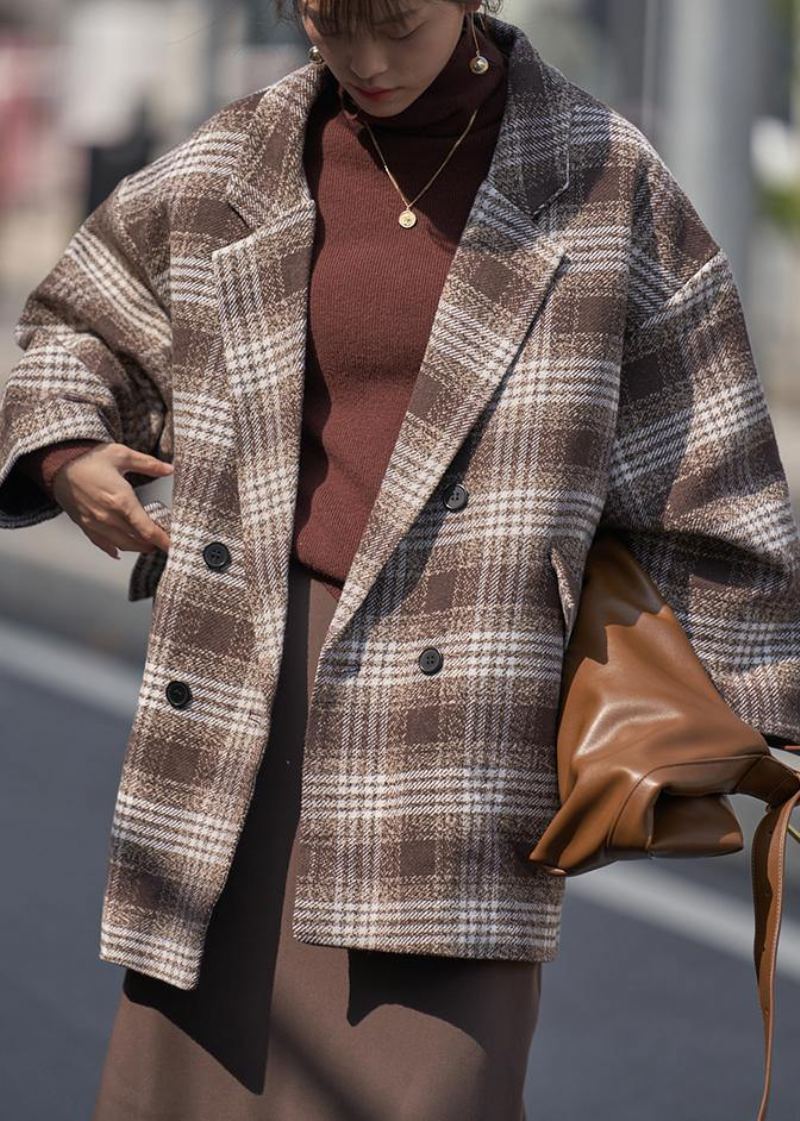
x=97, y=338
x=696, y=486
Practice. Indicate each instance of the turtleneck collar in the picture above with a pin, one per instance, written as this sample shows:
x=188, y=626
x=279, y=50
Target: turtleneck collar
x=442, y=109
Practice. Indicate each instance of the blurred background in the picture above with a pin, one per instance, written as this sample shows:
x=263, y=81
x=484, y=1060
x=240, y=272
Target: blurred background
x=653, y=995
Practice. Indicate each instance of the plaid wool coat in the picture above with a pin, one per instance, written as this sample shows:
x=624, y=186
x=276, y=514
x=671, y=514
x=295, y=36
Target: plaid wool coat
x=588, y=363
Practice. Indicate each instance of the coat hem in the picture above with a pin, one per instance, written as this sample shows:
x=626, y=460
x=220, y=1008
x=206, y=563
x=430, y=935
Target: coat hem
x=537, y=942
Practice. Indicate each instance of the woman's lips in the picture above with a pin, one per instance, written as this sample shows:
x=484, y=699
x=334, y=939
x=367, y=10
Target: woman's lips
x=373, y=95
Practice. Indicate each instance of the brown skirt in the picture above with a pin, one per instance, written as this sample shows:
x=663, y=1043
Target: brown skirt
x=281, y=1030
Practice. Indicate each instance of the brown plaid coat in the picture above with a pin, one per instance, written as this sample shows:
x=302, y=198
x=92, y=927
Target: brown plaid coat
x=588, y=363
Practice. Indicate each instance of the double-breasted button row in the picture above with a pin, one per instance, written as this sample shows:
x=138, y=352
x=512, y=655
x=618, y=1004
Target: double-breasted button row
x=454, y=497
x=217, y=556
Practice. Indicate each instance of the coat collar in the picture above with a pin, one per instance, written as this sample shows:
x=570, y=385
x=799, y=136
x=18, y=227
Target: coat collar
x=531, y=159
x=499, y=276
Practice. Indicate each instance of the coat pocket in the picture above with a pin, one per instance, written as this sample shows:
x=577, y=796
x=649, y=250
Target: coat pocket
x=148, y=568
x=567, y=560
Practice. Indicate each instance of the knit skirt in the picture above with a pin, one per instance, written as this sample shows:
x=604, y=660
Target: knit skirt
x=281, y=1030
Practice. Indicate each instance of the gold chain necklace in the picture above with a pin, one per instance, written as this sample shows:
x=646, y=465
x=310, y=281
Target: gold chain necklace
x=408, y=218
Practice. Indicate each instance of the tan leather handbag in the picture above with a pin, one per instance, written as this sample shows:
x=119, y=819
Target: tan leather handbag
x=648, y=752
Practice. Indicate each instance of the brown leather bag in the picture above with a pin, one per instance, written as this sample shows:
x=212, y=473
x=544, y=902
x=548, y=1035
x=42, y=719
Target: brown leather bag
x=648, y=752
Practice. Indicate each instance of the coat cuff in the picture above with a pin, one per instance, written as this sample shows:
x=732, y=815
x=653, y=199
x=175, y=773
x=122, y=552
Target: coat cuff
x=42, y=464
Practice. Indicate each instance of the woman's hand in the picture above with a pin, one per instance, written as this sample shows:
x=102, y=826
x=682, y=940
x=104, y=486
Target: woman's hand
x=92, y=490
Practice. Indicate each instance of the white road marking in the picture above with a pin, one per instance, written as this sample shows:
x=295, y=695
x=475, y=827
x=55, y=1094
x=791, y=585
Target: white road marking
x=665, y=899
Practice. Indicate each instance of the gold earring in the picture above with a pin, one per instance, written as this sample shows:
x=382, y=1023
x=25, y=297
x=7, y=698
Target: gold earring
x=314, y=54
x=478, y=64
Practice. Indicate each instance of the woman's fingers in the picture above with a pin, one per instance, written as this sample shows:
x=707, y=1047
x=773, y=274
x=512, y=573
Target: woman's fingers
x=95, y=493
x=143, y=464
x=148, y=531
x=124, y=523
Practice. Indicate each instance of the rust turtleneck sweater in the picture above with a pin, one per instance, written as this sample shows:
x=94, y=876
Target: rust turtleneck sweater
x=374, y=287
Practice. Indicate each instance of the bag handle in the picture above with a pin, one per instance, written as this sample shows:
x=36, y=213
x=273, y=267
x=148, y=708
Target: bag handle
x=768, y=855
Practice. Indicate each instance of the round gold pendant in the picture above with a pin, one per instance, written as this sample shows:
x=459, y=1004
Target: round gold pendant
x=407, y=219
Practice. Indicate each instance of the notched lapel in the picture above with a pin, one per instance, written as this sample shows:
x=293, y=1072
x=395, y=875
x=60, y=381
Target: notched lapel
x=506, y=263
x=504, y=266
x=498, y=279
x=261, y=285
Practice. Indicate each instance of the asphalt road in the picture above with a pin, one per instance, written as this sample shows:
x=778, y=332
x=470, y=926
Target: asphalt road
x=649, y=1012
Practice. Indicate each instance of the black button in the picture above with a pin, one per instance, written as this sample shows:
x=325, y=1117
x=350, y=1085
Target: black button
x=178, y=694
x=456, y=497
x=431, y=660
x=216, y=555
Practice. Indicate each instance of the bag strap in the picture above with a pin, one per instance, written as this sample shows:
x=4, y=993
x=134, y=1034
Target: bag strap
x=768, y=855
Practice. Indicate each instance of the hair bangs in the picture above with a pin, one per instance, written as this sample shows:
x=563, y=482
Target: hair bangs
x=334, y=17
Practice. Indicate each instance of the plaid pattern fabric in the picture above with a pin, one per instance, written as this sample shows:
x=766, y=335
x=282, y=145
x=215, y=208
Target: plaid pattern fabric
x=588, y=363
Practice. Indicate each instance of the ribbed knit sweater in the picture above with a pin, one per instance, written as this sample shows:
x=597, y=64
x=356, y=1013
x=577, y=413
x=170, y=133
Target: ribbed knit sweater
x=374, y=287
